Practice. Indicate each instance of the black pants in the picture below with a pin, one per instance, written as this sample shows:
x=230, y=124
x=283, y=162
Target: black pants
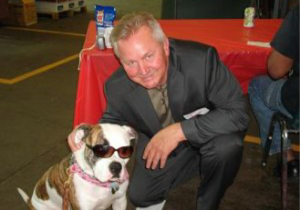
x=217, y=162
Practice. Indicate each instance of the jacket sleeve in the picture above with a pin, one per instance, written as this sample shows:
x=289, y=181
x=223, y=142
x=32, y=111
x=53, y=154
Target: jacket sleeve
x=229, y=112
x=111, y=115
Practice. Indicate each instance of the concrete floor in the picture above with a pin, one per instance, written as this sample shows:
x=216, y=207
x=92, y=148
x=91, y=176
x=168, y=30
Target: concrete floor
x=37, y=115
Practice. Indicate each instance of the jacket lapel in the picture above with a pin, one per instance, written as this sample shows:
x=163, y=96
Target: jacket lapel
x=175, y=88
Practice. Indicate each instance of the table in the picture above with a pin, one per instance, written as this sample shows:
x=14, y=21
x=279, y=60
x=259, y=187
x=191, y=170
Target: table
x=227, y=35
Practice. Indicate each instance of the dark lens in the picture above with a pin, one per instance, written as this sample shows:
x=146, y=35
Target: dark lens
x=125, y=152
x=110, y=152
x=102, y=151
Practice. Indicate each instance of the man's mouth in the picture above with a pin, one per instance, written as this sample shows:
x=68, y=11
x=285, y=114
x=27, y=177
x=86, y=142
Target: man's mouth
x=147, y=77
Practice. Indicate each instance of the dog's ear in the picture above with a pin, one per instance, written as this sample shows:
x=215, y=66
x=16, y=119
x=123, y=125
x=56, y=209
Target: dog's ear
x=81, y=132
x=132, y=133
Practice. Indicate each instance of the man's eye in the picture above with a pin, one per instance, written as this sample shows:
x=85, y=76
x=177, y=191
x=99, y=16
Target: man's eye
x=131, y=63
x=149, y=57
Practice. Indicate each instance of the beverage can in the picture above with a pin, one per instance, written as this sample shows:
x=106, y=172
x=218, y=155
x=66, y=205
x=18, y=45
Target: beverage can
x=249, y=17
x=107, y=33
x=100, y=42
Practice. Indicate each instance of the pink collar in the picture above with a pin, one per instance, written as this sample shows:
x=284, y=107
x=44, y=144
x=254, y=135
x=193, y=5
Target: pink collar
x=75, y=168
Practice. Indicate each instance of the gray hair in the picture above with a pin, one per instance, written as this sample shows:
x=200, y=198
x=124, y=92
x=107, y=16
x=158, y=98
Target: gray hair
x=130, y=24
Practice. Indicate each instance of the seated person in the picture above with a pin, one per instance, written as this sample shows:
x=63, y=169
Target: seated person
x=279, y=91
x=159, y=90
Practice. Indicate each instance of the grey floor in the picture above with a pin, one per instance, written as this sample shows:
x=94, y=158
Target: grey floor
x=36, y=116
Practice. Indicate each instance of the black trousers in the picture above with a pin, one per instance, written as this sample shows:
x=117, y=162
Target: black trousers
x=216, y=162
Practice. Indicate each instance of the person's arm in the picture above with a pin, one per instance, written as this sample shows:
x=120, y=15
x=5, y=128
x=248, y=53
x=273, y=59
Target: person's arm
x=229, y=112
x=110, y=115
x=279, y=65
x=285, y=46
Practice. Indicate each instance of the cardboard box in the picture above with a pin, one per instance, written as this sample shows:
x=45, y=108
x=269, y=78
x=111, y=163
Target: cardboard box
x=22, y=13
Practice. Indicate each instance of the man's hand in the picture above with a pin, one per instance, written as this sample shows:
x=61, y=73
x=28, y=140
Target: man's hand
x=162, y=144
x=71, y=140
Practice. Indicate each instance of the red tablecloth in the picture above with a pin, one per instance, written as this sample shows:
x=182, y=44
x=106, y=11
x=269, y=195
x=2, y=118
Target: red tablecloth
x=227, y=35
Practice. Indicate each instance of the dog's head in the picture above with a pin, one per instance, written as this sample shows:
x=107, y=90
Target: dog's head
x=105, y=151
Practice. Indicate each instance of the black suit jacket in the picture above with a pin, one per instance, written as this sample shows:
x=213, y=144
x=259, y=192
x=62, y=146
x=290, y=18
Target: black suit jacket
x=196, y=79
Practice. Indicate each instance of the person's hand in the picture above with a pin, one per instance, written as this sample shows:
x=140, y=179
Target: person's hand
x=162, y=144
x=71, y=140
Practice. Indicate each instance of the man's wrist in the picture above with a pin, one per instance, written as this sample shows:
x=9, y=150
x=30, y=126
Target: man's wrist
x=179, y=135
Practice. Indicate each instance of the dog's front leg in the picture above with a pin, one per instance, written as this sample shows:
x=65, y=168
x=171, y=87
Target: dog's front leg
x=120, y=203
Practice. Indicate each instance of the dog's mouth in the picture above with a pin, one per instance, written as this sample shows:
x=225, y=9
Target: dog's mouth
x=115, y=178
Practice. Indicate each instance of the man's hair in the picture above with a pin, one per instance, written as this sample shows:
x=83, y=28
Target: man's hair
x=130, y=24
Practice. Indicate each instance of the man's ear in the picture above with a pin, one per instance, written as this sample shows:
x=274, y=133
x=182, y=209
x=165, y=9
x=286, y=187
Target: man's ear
x=81, y=132
x=166, y=46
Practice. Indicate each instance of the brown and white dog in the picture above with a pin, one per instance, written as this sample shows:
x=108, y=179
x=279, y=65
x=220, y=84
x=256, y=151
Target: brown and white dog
x=94, y=177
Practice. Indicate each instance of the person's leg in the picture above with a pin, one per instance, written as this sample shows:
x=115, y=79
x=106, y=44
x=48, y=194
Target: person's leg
x=265, y=99
x=149, y=188
x=220, y=161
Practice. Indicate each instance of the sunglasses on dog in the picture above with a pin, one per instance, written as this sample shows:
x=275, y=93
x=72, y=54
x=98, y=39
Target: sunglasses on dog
x=106, y=151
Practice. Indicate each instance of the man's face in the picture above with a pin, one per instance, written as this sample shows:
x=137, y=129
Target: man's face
x=144, y=59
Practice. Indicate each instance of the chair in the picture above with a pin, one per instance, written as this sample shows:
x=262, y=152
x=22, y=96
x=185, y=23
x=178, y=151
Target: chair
x=287, y=126
x=195, y=9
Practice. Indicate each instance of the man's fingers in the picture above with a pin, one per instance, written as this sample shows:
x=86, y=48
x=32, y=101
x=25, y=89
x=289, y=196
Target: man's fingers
x=145, y=155
x=149, y=159
x=155, y=161
x=148, y=155
x=152, y=157
x=163, y=160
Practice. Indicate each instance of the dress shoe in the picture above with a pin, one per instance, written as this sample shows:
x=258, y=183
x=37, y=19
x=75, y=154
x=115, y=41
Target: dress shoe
x=292, y=169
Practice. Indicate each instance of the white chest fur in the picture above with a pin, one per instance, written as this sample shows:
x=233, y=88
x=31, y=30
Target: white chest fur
x=94, y=197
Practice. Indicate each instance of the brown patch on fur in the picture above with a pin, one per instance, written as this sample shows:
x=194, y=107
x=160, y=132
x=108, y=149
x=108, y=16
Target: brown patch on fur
x=72, y=197
x=57, y=176
x=41, y=190
x=95, y=136
x=96, y=133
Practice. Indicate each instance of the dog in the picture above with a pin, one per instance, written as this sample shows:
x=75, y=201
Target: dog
x=93, y=177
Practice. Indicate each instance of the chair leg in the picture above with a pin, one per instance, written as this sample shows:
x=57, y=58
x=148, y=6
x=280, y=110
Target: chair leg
x=268, y=142
x=278, y=117
x=284, y=140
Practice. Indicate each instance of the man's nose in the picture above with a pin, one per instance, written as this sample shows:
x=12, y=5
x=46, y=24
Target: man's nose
x=143, y=69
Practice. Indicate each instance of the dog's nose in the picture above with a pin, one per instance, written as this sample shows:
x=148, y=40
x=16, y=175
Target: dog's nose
x=115, y=168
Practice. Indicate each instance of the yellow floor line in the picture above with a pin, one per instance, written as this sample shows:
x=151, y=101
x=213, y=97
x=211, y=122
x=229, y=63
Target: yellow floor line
x=38, y=71
x=256, y=140
x=46, y=31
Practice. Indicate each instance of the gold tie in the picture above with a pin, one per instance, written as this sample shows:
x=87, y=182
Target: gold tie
x=159, y=98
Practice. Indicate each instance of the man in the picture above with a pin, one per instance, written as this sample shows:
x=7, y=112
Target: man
x=279, y=91
x=161, y=89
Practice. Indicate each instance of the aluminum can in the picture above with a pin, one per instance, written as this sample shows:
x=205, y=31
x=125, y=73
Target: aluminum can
x=249, y=17
x=100, y=42
x=107, y=33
